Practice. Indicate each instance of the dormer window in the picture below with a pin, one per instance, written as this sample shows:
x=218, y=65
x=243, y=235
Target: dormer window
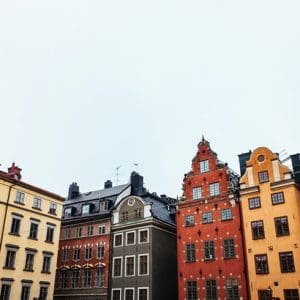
x=68, y=212
x=85, y=209
x=103, y=205
x=204, y=166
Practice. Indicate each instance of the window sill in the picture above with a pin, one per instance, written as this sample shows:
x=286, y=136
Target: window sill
x=45, y=272
x=15, y=234
x=190, y=261
x=28, y=270
x=227, y=258
x=37, y=208
x=209, y=259
x=21, y=203
x=52, y=213
x=226, y=220
x=9, y=268
x=49, y=242
x=32, y=238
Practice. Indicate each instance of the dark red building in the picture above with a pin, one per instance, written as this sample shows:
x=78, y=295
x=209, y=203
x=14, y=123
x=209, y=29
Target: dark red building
x=209, y=238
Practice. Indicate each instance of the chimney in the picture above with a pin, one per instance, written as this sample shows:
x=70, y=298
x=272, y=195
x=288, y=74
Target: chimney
x=296, y=166
x=73, y=190
x=242, y=159
x=137, y=182
x=107, y=184
x=14, y=172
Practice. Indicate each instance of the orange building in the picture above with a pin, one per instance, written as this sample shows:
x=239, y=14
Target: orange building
x=270, y=201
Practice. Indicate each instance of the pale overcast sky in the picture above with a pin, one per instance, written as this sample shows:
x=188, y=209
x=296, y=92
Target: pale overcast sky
x=86, y=86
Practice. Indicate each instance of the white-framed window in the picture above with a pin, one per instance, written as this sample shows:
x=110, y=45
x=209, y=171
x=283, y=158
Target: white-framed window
x=90, y=230
x=101, y=229
x=129, y=265
x=189, y=220
x=103, y=205
x=143, y=264
x=143, y=236
x=226, y=214
x=76, y=254
x=20, y=196
x=68, y=212
x=78, y=231
x=85, y=209
x=197, y=193
x=88, y=253
x=129, y=294
x=130, y=238
x=204, y=166
x=116, y=294
x=99, y=277
x=214, y=189
x=100, y=251
x=37, y=203
x=118, y=240
x=143, y=293
x=52, y=208
x=50, y=233
x=117, y=266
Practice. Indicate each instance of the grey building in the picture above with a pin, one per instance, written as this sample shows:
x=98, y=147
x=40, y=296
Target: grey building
x=143, y=261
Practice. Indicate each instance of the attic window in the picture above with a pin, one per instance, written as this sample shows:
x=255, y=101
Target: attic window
x=68, y=212
x=85, y=209
x=103, y=205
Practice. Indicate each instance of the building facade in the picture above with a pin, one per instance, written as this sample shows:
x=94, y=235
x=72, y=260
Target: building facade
x=29, y=227
x=144, y=246
x=85, y=245
x=209, y=239
x=270, y=200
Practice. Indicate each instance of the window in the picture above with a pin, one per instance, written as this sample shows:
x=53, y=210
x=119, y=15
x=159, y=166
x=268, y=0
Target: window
x=130, y=238
x=207, y=217
x=15, y=225
x=264, y=295
x=10, y=258
x=129, y=294
x=211, y=289
x=20, y=197
x=88, y=253
x=209, y=250
x=67, y=233
x=189, y=221
x=75, y=279
x=214, y=189
x=117, y=266
x=190, y=252
x=43, y=293
x=257, y=228
x=101, y=229
x=87, y=276
x=103, y=206
x=142, y=293
x=191, y=290
x=25, y=292
x=63, y=279
x=263, y=176
x=118, y=240
x=277, y=198
x=286, y=262
x=37, y=203
x=64, y=256
x=99, y=277
x=5, y=291
x=143, y=264
x=33, y=231
x=124, y=216
x=138, y=212
x=129, y=266
x=76, y=254
x=292, y=294
x=261, y=264
x=143, y=236
x=100, y=252
x=52, y=208
x=116, y=294
x=68, y=212
x=29, y=261
x=204, y=166
x=229, y=248
x=50, y=234
x=254, y=203
x=46, y=264
x=197, y=193
x=90, y=230
x=281, y=226
x=226, y=214
x=85, y=209
x=78, y=231
x=232, y=289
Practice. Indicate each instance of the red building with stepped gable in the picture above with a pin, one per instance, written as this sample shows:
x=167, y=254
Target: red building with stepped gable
x=209, y=238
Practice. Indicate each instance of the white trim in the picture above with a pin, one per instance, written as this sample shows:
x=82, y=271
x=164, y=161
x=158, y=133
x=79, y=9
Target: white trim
x=125, y=259
x=143, y=288
x=116, y=234
x=143, y=254
x=113, y=269
x=276, y=172
x=250, y=176
x=147, y=211
x=134, y=234
x=112, y=293
x=143, y=229
x=127, y=289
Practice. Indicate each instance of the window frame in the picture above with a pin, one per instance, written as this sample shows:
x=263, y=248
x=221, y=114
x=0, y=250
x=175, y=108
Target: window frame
x=139, y=233
x=287, y=262
x=37, y=203
x=190, y=252
x=208, y=219
x=115, y=238
x=258, y=232
x=114, y=267
x=139, y=264
x=20, y=197
x=204, y=166
x=189, y=221
x=134, y=238
x=143, y=288
x=281, y=229
x=225, y=216
x=277, y=198
x=229, y=250
x=129, y=289
x=211, y=289
x=191, y=290
x=126, y=266
x=196, y=192
x=209, y=248
x=263, y=263
x=256, y=203
x=214, y=189
x=116, y=290
x=263, y=176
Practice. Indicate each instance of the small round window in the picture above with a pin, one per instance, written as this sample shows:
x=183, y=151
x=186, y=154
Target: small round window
x=261, y=158
x=131, y=201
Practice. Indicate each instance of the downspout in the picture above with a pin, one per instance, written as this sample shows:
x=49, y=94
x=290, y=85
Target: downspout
x=5, y=215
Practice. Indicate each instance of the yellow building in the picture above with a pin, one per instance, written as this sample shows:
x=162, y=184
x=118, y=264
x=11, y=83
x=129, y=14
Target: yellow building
x=270, y=201
x=29, y=229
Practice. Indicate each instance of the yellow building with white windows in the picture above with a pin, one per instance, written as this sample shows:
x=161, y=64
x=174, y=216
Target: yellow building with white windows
x=270, y=202
x=29, y=235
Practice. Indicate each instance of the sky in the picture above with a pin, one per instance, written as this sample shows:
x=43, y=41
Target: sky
x=88, y=86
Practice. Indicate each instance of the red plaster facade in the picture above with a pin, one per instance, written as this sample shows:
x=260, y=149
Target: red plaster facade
x=209, y=239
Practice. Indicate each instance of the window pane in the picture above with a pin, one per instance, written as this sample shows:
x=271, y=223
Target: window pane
x=197, y=193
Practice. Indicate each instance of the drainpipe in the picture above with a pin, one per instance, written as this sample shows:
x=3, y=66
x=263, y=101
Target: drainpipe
x=5, y=215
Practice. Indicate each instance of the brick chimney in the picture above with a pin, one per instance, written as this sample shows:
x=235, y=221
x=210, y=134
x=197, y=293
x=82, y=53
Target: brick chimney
x=14, y=172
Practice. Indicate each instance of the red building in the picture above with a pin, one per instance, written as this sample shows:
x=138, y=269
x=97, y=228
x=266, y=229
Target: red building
x=209, y=238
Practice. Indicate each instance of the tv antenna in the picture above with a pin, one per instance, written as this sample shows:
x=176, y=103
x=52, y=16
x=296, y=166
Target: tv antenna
x=117, y=174
x=136, y=166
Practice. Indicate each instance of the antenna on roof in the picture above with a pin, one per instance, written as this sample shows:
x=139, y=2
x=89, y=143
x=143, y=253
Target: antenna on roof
x=117, y=175
x=283, y=156
x=137, y=166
